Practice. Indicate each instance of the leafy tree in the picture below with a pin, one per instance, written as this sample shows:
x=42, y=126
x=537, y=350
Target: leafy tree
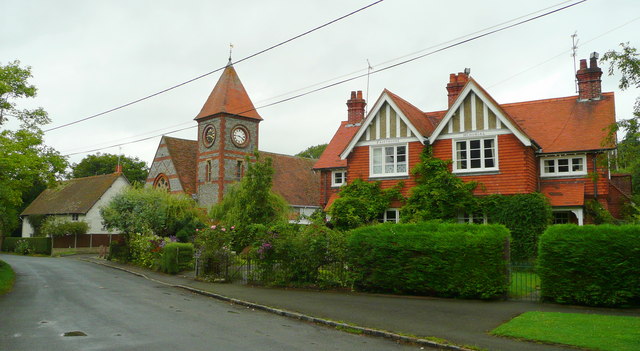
x=439, y=194
x=361, y=203
x=313, y=151
x=251, y=205
x=149, y=210
x=627, y=62
x=24, y=159
x=132, y=168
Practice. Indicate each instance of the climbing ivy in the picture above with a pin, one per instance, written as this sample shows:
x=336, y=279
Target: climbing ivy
x=361, y=203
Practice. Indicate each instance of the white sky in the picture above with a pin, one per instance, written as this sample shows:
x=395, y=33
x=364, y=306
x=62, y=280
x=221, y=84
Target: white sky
x=90, y=56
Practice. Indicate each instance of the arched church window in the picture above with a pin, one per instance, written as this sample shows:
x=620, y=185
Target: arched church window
x=161, y=182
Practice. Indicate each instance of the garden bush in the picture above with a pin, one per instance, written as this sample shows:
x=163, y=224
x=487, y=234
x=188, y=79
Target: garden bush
x=146, y=250
x=431, y=258
x=119, y=251
x=590, y=265
x=37, y=245
x=176, y=257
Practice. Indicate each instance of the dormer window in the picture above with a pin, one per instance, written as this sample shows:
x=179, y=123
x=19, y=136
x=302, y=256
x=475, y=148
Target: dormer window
x=560, y=166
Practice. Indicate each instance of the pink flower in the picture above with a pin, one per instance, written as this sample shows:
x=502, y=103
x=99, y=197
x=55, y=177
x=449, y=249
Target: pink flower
x=213, y=227
x=197, y=230
x=223, y=229
x=233, y=227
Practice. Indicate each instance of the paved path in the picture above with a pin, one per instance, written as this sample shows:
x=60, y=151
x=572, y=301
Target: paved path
x=114, y=310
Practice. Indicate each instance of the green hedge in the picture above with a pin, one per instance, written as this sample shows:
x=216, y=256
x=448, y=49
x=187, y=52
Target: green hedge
x=38, y=245
x=431, y=258
x=590, y=265
x=176, y=257
x=118, y=251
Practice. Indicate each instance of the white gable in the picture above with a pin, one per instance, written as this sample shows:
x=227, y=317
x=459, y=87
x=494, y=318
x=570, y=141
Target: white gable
x=475, y=113
x=386, y=122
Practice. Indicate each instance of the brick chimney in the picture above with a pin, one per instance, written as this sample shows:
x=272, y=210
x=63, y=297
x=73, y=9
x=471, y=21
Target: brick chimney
x=456, y=83
x=355, y=106
x=589, y=83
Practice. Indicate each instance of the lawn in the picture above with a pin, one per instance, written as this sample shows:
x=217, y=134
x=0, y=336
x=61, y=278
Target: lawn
x=7, y=277
x=592, y=331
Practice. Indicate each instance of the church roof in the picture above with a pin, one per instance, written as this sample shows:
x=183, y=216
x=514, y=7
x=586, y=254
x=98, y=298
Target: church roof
x=184, y=154
x=229, y=96
x=72, y=196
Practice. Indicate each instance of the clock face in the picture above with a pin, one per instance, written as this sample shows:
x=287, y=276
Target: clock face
x=240, y=136
x=209, y=135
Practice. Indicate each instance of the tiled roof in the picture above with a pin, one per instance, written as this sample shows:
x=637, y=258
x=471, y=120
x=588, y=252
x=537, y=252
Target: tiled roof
x=229, y=96
x=184, y=154
x=330, y=158
x=418, y=118
x=564, y=193
x=295, y=179
x=72, y=196
x=565, y=124
x=332, y=199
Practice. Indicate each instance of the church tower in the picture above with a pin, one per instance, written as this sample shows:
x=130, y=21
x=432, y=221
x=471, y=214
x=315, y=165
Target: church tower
x=227, y=132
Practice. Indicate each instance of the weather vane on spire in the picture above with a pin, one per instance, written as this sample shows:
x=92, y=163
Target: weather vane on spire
x=230, y=50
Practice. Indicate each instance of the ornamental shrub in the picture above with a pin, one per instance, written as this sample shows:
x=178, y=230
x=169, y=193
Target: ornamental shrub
x=590, y=265
x=146, y=250
x=525, y=215
x=176, y=257
x=431, y=258
x=37, y=245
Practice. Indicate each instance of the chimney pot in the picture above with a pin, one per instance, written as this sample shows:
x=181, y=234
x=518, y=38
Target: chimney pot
x=589, y=82
x=583, y=64
x=456, y=83
x=355, y=108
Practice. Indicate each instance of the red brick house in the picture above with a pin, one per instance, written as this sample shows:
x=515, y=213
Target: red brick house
x=228, y=126
x=548, y=146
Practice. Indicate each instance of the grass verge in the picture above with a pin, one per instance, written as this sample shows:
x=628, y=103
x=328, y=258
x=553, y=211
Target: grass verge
x=7, y=277
x=593, y=331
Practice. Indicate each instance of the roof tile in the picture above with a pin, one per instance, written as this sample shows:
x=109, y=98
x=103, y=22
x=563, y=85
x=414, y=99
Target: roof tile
x=564, y=193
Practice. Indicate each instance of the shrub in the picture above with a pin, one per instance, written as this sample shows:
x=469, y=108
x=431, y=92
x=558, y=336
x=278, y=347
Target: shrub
x=119, y=251
x=22, y=247
x=56, y=226
x=431, y=258
x=525, y=215
x=213, y=249
x=300, y=255
x=176, y=257
x=361, y=203
x=146, y=250
x=38, y=245
x=590, y=265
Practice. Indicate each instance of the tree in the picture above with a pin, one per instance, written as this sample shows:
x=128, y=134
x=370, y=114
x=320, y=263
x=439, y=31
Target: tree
x=627, y=62
x=313, y=151
x=361, y=203
x=24, y=159
x=251, y=205
x=439, y=193
x=152, y=211
x=132, y=168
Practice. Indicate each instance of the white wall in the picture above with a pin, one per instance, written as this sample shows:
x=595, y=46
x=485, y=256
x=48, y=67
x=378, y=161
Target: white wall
x=93, y=217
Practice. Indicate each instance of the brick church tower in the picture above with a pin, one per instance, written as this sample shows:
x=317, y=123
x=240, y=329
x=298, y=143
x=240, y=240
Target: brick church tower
x=227, y=132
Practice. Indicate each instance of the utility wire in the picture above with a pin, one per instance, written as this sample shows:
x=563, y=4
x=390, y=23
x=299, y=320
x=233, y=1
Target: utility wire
x=216, y=70
x=458, y=43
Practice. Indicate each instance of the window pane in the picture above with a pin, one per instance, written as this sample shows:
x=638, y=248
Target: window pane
x=389, y=169
x=401, y=150
x=563, y=165
x=391, y=215
x=377, y=169
x=576, y=165
x=549, y=166
x=488, y=143
x=402, y=167
x=474, y=144
x=475, y=163
x=489, y=163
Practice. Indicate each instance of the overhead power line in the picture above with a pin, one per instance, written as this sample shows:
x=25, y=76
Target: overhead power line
x=216, y=70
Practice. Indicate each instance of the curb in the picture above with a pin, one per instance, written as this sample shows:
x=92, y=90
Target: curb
x=299, y=316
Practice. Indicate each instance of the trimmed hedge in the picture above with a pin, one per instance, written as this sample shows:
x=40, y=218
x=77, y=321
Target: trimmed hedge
x=590, y=265
x=176, y=257
x=38, y=245
x=431, y=258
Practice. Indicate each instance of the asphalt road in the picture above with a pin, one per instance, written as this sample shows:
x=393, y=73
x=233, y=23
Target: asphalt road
x=114, y=310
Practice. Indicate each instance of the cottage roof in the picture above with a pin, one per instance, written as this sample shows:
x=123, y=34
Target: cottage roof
x=295, y=179
x=184, y=154
x=72, y=196
x=229, y=96
x=330, y=158
x=566, y=124
x=561, y=194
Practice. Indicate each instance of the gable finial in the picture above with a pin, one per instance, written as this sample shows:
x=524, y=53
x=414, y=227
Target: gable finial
x=230, y=50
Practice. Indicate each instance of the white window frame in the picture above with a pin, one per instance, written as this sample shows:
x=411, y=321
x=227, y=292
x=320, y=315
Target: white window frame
x=570, y=172
x=483, y=168
x=383, y=147
x=473, y=218
x=75, y=217
x=343, y=178
x=385, y=218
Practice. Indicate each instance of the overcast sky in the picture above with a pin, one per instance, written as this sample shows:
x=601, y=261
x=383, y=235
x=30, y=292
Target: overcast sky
x=90, y=56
